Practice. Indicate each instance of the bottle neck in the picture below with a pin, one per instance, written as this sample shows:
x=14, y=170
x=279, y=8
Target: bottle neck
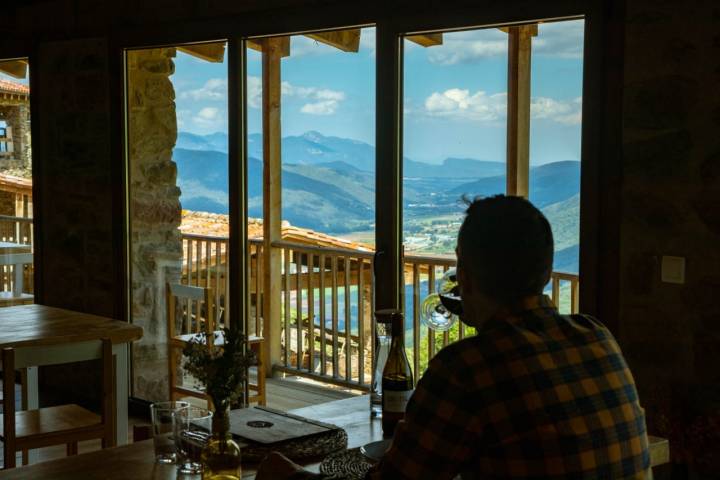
x=221, y=422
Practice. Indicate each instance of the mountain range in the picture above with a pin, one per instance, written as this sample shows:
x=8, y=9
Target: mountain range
x=329, y=185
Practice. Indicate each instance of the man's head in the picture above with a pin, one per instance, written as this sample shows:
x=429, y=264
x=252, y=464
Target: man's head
x=505, y=251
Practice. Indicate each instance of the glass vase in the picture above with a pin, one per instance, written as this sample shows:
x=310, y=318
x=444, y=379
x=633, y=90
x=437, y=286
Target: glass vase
x=221, y=456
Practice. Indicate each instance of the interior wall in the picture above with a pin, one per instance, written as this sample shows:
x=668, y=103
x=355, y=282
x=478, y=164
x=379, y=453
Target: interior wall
x=670, y=185
x=671, y=206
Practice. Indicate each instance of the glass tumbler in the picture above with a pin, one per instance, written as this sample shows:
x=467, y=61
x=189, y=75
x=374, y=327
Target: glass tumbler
x=164, y=417
x=193, y=429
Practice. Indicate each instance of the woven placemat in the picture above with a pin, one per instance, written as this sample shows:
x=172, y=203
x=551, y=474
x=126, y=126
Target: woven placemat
x=346, y=465
x=313, y=446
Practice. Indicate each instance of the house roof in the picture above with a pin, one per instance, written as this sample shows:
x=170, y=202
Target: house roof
x=7, y=86
x=217, y=225
x=10, y=183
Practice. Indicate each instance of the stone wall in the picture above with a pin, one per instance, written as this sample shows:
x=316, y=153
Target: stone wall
x=671, y=206
x=156, y=248
x=17, y=116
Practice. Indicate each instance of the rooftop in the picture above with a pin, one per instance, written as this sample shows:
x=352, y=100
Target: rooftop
x=217, y=225
x=7, y=86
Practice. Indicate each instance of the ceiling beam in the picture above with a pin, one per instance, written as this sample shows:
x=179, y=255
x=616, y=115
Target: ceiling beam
x=530, y=30
x=345, y=40
x=427, y=39
x=211, y=52
x=14, y=68
x=284, y=45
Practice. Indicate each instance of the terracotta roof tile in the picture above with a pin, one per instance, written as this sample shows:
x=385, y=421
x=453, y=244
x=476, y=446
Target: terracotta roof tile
x=6, y=86
x=217, y=225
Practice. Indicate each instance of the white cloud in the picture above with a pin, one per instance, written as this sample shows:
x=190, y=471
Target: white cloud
x=468, y=47
x=320, y=101
x=325, y=107
x=254, y=91
x=561, y=111
x=555, y=39
x=209, y=118
x=560, y=39
x=459, y=103
x=215, y=89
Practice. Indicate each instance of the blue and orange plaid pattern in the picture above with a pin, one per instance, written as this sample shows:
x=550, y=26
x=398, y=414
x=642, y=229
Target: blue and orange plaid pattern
x=534, y=394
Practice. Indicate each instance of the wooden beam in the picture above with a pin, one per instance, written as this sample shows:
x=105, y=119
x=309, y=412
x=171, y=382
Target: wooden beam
x=283, y=42
x=427, y=39
x=15, y=68
x=345, y=40
x=518, y=104
x=211, y=52
x=272, y=52
x=531, y=29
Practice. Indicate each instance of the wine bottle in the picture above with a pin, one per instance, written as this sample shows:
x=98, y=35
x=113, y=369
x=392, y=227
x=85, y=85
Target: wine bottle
x=397, y=380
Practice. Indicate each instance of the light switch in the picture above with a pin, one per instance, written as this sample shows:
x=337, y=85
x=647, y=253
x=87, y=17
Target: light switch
x=673, y=270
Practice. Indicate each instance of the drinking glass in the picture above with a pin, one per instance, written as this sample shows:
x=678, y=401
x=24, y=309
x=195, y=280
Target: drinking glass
x=164, y=417
x=193, y=428
x=440, y=311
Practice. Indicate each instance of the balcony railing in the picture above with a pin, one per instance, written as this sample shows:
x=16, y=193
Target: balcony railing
x=16, y=230
x=327, y=304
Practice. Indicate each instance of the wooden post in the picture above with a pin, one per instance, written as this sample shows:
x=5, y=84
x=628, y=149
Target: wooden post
x=518, y=105
x=272, y=209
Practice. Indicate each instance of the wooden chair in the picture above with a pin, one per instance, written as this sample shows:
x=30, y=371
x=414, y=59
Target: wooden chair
x=15, y=295
x=63, y=424
x=190, y=311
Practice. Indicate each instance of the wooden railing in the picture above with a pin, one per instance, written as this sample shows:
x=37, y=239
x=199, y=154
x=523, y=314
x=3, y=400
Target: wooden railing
x=16, y=230
x=327, y=304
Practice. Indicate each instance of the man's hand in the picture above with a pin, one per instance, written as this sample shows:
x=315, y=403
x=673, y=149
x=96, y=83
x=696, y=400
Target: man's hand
x=278, y=467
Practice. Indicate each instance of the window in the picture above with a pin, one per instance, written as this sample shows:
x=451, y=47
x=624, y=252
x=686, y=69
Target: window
x=488, y=111
x=16, y=205
x=178, y=195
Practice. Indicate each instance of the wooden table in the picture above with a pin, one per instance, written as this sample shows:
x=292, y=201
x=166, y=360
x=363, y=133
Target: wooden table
x=137, y=461
x=37, y=325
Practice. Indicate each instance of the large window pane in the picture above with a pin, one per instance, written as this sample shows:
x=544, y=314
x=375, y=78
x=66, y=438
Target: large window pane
x=178, y=189
x=478, y=105
x=16, y=205
x=324, y=209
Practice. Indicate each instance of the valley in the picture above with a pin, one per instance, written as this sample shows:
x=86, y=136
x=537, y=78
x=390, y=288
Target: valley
x=329, y=186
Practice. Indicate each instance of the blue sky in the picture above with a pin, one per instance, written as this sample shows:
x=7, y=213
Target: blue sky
x=455, y=102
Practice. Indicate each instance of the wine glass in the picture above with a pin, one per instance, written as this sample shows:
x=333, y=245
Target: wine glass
x=440, y=310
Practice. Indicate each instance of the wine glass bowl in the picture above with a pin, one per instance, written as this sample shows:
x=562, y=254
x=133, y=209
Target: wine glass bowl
x=439, y=310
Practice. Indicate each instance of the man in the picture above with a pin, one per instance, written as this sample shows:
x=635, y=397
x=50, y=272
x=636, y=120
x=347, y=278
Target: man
x=534, y=394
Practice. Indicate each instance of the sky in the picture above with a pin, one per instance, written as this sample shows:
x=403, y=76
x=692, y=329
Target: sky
x=454, y=94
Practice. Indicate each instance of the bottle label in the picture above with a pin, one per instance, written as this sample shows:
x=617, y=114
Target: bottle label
x=396, y=401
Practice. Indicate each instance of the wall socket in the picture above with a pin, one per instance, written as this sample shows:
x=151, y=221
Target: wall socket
x=673, y=270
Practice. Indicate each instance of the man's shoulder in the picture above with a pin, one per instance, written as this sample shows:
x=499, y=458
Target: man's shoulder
x=468, y=351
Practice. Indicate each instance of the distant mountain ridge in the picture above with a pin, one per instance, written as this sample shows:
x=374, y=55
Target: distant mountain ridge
x=328, y=184
x=314, y=148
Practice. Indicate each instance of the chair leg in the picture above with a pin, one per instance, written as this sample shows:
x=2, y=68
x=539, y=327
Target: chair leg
x=72, y=448
x=25, y=456
x=8, y=456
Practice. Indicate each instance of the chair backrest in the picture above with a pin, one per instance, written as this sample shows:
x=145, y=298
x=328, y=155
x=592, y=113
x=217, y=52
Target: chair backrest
x=189, y=310
x=35, y=356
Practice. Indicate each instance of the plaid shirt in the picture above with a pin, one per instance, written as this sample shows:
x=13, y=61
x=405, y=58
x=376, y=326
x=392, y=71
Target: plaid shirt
x=534, y=394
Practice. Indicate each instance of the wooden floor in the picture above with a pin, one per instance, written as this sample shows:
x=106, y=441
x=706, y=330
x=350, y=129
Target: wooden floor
x=282, y=394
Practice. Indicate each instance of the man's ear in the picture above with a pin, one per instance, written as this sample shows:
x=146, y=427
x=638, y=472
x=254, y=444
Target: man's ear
x=464, y=281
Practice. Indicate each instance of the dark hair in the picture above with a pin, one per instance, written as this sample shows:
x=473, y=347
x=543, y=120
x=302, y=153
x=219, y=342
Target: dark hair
x=506, y=246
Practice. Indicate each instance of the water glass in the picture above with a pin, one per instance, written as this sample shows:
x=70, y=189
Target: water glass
x=164, y=418
x=193, y=428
